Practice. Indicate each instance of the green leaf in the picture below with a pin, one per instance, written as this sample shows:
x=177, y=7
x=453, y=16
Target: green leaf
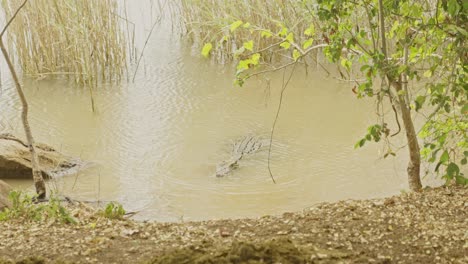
x=453, y=170
x=346, y=63
x=442, y=139
x=308, y=43
x=235, y=25
x=224, y=39
x=206, y=49
x=389, y=152
x=239, y=81
x=464, y=110
x=296, y=55
x=434, y=156
x=246, y=25
x=453, y=29
x=364, y=67
x=447, y=108
x=453, y=7
x=444, y=157
x=419, y=102
x=243, y=64
x=255, y=58
x=290, y=37
x=402, y=69
x=463, y=161
x=249, y=45
x=283, y=32
x=310, y=31
x=266, y=34
x=461, y=180
x=360, y=143
x=285, y=45
x=428, y=74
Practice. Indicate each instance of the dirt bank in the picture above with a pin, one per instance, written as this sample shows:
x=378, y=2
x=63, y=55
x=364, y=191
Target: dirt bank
x=427, y=227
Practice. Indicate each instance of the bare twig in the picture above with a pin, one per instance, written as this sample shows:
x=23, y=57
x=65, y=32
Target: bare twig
x=287, y=64
x=283, y=89
x=146, y=42
x=270, y=70
x=12, y=18
x=382, y=29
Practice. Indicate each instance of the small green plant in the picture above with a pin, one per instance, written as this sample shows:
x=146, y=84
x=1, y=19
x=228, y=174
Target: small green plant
x=24, y=207
x=113, y=210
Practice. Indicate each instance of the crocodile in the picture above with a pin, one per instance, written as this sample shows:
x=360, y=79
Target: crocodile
x=241, y=148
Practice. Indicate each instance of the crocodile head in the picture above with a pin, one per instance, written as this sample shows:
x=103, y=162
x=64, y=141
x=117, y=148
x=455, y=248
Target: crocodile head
x=226, y=168
x=234, y=165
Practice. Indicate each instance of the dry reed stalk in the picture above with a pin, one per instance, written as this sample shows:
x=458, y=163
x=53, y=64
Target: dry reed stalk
x=83, y=40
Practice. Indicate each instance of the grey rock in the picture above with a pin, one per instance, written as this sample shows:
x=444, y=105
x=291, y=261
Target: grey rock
x=15, y=159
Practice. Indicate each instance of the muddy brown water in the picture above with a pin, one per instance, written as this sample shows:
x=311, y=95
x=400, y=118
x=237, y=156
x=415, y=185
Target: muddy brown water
x=154, y=144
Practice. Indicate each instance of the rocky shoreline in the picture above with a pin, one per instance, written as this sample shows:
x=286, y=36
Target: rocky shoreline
x=426, y=227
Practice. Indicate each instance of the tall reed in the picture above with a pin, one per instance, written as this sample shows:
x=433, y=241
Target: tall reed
x=84, y=40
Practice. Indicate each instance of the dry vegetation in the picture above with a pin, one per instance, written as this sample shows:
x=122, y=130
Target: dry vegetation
x=84, y=40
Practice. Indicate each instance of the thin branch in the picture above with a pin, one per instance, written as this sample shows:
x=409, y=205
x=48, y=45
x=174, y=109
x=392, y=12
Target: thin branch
x=283, y=89
x=359, y=44
x=143, y=50
x=382, y=28
x=314, y=47
x=287, y=64
x=146, y=42
x=370, y=27
x=271, y=70
x=266, y=48
x=124, y=19
x=13, y=18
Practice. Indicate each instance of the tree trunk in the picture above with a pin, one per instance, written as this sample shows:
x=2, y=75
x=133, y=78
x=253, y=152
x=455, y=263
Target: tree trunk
x=36, y=172
x=414, y=164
